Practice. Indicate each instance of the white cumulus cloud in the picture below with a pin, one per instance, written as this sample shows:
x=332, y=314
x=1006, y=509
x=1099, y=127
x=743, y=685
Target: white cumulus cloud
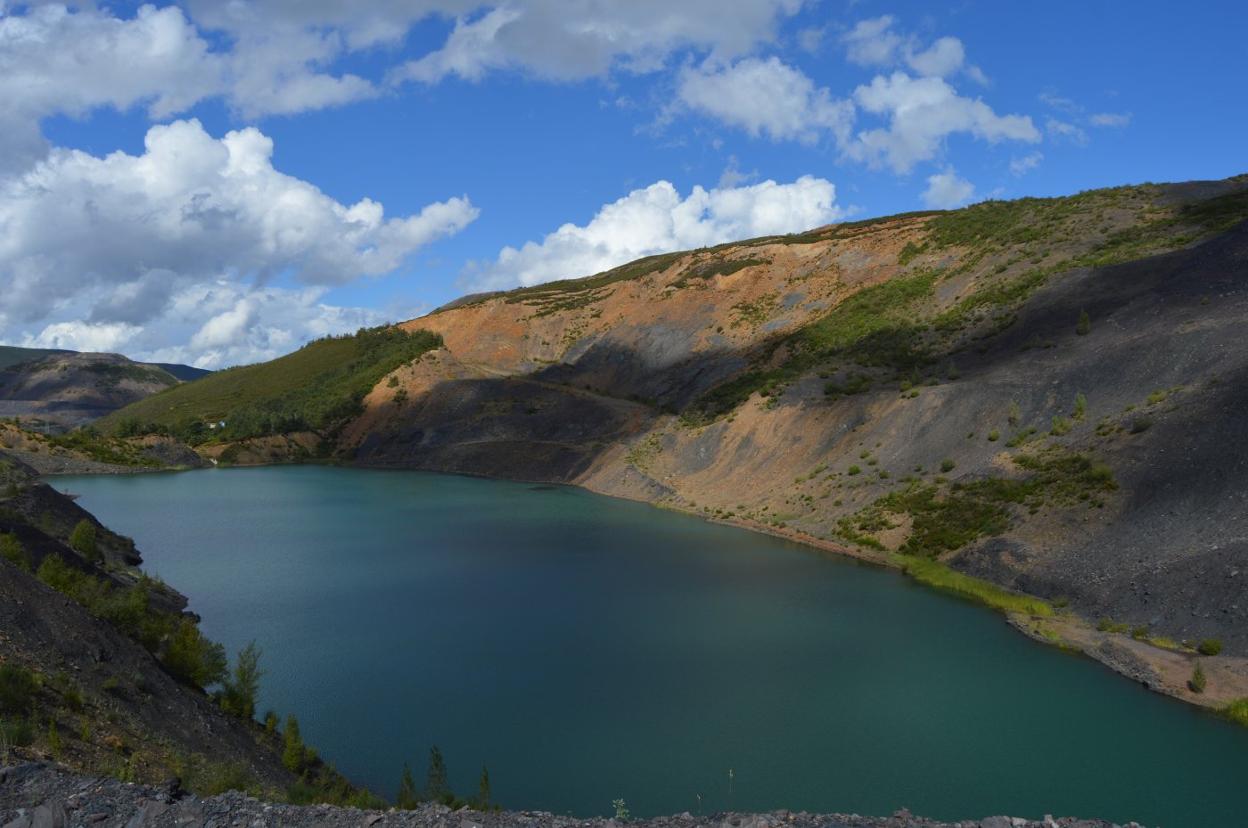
x=946, y=190
x=190, y=206
x=1024, y=165
x=921, y=113
x=566, y=41
x=108, y=243
x=765, y=97
x=657, y=219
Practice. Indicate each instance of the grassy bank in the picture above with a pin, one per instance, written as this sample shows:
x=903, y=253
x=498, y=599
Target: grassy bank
x=937, y=575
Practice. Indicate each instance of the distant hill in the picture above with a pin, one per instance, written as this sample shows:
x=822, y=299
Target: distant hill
x=58, y=389
x=10, y=355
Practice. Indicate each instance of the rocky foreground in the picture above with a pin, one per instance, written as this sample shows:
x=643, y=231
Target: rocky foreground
x=38, y=794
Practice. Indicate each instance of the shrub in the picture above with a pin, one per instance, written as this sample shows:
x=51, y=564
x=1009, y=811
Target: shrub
x=1060, y=426
x=1081, y=407
x=17, y=689
x=947, y=465
x=1210, y=646
x=1084, y=326
x=11, y=550
x=1198, y=681
x=994, y=436
x=854, y=469
x=193, y=658
x=1015, y=414
x=1237, y=711
x=1140, y=424
x=82, y=540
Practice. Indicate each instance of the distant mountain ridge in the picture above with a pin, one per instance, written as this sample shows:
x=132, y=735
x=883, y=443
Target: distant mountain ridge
x=64, y=389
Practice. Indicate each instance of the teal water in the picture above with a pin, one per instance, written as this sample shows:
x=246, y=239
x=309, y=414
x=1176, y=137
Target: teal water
x=588, y=649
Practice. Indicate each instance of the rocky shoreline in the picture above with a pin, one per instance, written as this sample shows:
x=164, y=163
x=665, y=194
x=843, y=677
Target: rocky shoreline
x=41, y=794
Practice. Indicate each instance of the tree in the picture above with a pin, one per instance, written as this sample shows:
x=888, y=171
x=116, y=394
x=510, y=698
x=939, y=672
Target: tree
x=437, y=788
x=292, y=749
x=194, y=658
x=483, y=790
x=242, y=688
x=1084, y=326
x=407, y=798
x=82, y=540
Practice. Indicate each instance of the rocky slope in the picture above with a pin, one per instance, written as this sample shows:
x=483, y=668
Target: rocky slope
x=1044, y=394
x=102, y=669
x=64, y=389
x=34, y=794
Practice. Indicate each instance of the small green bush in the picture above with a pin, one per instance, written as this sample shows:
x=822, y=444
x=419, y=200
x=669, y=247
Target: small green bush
x=1141, y=424
x=193, y=658
x=11, y=550
x=994, y=436
x=1084, y=326
x=855, y=469
x=1237, y=711
x=1210, y=646
x=1081, y=407
x=1060, y=426
x=947, y=465
x=82, y=540
x=1197, y=682
x=17, y=689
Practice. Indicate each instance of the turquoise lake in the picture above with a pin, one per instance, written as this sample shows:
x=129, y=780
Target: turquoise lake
x=587, y=649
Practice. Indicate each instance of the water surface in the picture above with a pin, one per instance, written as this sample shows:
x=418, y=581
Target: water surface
x=588, y=649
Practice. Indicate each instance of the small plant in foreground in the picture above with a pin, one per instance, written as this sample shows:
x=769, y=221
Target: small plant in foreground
x=1084, y=326
x=947, y=465
x=407, y=798
x=621, y=809
x=1210, y=646
x=1197, y=682
x=82, y=540
x=1081, y=407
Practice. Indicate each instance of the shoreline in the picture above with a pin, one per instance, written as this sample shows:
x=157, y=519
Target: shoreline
x=1160, y=670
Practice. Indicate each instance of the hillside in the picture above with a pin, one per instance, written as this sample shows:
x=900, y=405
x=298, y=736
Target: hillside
x=103, y=670
x=1043, y=394
x=56, y=390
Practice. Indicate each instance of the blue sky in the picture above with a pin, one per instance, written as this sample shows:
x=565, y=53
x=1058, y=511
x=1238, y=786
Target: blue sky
x=387, y=156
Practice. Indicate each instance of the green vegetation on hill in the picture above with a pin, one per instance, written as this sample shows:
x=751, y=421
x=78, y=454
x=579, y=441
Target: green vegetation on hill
x=872, y=327
x=1008, y=249
x=315, y=388
x=947, y=516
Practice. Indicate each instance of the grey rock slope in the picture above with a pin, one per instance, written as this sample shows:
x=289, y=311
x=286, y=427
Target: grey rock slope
x=42, y=795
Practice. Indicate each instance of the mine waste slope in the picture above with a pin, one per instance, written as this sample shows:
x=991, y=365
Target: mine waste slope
x=58, y=390
x=1046, y=395
x=102, y=669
